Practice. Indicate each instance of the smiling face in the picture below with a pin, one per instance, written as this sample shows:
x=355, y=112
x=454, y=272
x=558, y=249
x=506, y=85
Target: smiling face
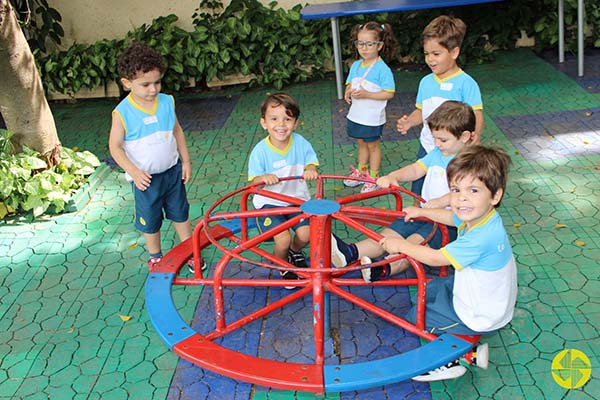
x=471, y=200
x=441, y=60
x=368, y=53
x=279, y=125
x=144, y=87
x=448, y=143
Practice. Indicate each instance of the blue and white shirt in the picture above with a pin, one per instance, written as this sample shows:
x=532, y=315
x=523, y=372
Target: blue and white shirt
x=149, y=142
x=433, y=91
x=267, y=159
x=368, y=111
x=436, y=183
x=485, y=282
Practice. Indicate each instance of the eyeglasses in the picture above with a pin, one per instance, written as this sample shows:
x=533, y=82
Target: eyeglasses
x=368, y=45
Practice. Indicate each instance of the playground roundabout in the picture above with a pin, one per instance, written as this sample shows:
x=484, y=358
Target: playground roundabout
x=233, y=237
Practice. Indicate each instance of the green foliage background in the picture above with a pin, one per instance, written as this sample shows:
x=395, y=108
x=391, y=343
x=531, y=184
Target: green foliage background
x=280, y=48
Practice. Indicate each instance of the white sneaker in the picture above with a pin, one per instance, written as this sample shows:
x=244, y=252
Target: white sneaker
x=452, y=370
x=355, y=174
x=482, y=356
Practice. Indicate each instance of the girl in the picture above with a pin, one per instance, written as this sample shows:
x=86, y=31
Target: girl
x=369, y=86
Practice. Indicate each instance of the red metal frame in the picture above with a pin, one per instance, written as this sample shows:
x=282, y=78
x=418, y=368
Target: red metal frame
x=319, y=279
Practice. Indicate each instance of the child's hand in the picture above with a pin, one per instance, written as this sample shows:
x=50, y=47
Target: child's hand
x=267, y=179
x=347, y=94
x=411, y=212
x=392, y=244
x=186, y=172
x=141, y=179
x=440, y=202
x=358, y=94
x=310, y=174
x=386, y=181
x=403, y=125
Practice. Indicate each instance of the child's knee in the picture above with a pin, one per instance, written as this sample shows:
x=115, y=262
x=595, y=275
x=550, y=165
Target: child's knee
x=283, y=239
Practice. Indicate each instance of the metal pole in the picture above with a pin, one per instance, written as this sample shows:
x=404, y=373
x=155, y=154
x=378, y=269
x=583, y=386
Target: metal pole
x=561, y=31
x=580, y=26
x=337, y=57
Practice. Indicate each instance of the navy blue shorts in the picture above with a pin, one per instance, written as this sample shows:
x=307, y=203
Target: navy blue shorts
x=423, y=228
x=165, y=193
x=366, y=133
x=417, y=186
x=266, y=223
x=440, y=316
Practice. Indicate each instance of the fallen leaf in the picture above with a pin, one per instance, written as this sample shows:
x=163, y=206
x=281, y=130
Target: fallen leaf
x=242, y=174
x=580, y=243
x=589, y=114
x=132, y=246
x=572, y=190
x=71, y=330
x=517, y=224
x=559, y=226
x=337, y=188
x=75, y=148
x=125, y=318
x=586, y=142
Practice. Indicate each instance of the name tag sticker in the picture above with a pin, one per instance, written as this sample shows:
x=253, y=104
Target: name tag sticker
x=446, y=86
x=279, y=164
x=150, y=120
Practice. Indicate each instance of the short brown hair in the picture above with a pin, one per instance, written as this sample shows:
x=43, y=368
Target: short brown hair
x=453, y=116
x=488, y=164
x=449, y=32
x=139, y=58
x=292, y=109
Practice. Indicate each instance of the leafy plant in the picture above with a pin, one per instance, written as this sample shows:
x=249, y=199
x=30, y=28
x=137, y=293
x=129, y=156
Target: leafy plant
x=39, y=23
x=28, y=185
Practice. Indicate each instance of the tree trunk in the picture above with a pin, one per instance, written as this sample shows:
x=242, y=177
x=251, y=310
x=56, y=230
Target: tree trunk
x=22, y=100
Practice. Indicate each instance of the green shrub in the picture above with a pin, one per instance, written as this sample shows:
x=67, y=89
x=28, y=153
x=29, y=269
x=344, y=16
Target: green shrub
x=28, y=185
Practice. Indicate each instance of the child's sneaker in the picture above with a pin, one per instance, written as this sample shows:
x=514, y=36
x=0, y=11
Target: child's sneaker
x=478, y=356
x=191, y=265
x=341, y=254
x=297, y=259
x=449, y=371
x=351, y=182
x=373, y=274
x=369, y=187
x=153, y=261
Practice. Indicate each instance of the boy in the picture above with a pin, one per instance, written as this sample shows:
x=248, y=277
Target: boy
x=452, y=124
x=281, y=154
x=480, y=297
x=147, y=141
x=442, y=39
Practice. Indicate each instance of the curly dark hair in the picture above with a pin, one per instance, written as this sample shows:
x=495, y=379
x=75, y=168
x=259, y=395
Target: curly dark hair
x=139, y=58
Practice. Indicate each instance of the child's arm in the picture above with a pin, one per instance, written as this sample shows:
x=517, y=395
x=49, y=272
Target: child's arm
x=476, y=138
x=440, y=215
x=186, y=165
x=406, y=122
x=267, y=179
x=440, y=202
x=141, y=178
x=310, y=172
x=408, y=173
x=365, y=94
x=347, y=96
x=424, y=254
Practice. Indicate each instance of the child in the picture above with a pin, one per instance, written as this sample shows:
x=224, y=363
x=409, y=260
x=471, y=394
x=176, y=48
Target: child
x=369, y=86
x=452, y=124
x=283, y=153
x=442, y=39
x=147, y=141
x=480, y=297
